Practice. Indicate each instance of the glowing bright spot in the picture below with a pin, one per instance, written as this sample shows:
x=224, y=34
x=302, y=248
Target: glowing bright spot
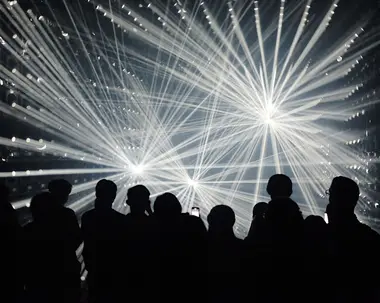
x=268, y=114
x=192, y=182
x=13, y=139
x=138, y=169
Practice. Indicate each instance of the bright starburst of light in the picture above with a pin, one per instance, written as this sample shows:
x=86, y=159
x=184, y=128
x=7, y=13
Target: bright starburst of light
x=201, y=101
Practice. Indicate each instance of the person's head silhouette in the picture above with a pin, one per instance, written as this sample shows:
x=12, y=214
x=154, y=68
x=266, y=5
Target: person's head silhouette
x=138, y=199
x=259, y=210
x=221, y=219
x=167, y=206
x=314, y=224
x=343, y=197
x=279, y=186
x=38, y=206
x=105, y=193
x=60, y=190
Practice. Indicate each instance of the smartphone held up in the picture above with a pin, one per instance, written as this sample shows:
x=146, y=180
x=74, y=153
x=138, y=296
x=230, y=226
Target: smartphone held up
x=195, y=211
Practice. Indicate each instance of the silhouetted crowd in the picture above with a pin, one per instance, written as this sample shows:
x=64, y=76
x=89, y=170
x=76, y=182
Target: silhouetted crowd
x=160, y=254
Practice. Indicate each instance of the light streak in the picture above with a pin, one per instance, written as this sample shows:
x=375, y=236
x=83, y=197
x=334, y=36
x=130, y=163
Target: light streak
x=210, y=108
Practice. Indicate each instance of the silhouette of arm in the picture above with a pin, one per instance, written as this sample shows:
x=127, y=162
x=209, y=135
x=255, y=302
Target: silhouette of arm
x=87, y=249
x=74, y=229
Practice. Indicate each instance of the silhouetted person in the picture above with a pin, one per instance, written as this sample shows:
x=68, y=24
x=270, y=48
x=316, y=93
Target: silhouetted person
x=177, y=237
x=256, y=232
x=11, y=252
x=60, y=190
x=167, y=232
x=138, y=245
x=224, y=255
x=53, y=269
x=315, y=231
x=284, y=251
x=350, y=243
x=315, y=256
x=285, y=225
x=283, y=216
x=254, y=250
x=194, y=246
x=102, y=229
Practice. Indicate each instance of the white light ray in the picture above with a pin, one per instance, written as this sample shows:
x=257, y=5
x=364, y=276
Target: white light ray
x=188, y=99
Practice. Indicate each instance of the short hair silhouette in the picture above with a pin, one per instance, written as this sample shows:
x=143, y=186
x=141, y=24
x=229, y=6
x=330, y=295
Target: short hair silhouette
x=39, y=205
x=280, y=186
x=314, y=223
x=167, y=204
x=259, y=209
x=60, y=189
x=221, y=217
x=137, y=193
x=344, y=193
x=106, y=190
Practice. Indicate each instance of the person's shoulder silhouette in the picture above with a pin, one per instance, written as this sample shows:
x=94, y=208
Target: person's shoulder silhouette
x=43, y=226
x=256, y=233
x=283, y=211
x=103, y=231
x=283, y=251
x=103, y=213
x=343, y=197
x=52, y=250
x=221, y=221
x=224, y=255
x=350, y=240
x=60, y=190
x=283, y=215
